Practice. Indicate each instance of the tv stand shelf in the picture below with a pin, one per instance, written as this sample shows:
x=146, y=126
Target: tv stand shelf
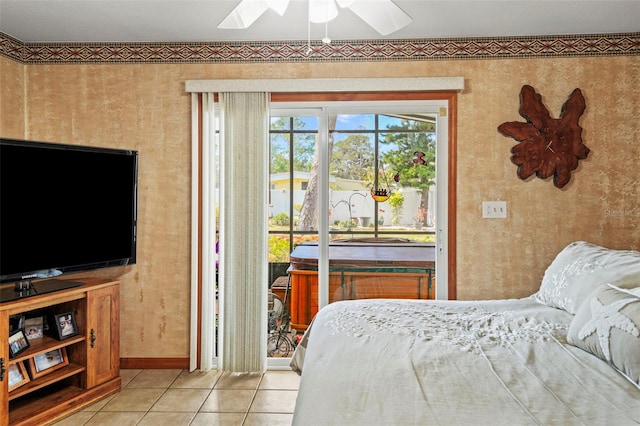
x=93, y=369
x=39, y=383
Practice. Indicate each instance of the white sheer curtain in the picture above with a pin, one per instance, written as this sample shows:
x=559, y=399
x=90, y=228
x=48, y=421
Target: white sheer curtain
x=243, y=231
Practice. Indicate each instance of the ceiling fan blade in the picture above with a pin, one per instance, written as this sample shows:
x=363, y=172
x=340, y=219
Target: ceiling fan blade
x=383, y=15
x=244, y=14
x=344, y=3
x=279, y=6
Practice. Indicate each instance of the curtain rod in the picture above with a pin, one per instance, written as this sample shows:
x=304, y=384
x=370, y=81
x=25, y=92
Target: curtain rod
x=326, y=85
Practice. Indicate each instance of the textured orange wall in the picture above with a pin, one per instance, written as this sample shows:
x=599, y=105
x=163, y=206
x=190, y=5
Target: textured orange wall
x=144, y=107
x=11, y=98
x=507, y=258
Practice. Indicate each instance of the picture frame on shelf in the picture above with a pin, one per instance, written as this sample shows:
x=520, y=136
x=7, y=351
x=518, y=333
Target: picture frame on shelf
x=47, y=362
x=34, y=328
x=18, y=376
x=64, y=325
x=16, y=322
x=17, y=343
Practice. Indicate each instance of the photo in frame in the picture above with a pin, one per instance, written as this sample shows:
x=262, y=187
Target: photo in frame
x=17, y=343
x=34, y=328
x=64, y=325
x=47, y=362
x=18, y=375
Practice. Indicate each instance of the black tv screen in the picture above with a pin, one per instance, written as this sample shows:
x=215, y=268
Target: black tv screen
x=65, y=208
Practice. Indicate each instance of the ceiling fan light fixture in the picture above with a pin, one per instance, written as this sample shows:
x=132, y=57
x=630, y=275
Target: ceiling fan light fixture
x=322, y=11
x=382, y=15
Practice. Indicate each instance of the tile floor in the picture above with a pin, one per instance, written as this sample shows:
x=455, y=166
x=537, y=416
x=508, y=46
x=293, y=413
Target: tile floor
x=177, y=397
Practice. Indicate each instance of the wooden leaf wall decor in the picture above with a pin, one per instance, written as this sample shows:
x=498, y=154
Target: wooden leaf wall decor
x=547, y=146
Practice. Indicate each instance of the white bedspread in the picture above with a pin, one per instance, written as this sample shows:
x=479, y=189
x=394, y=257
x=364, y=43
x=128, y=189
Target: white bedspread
x=404, y=362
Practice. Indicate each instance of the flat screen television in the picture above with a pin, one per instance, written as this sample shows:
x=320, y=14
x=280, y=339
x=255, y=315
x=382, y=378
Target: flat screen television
x=63, y=209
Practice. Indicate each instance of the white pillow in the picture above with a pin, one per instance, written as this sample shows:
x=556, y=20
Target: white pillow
x=608, y=326
x=580, y=268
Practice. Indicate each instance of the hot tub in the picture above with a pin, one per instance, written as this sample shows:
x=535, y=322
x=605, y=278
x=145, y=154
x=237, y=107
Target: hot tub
x=361, y=268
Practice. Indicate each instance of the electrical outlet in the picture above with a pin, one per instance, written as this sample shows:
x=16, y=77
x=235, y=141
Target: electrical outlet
x=494, y=209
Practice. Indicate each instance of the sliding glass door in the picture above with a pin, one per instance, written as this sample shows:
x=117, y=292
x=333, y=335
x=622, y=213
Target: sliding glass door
x=293, y=215
x=374, y=171
x=382, y=226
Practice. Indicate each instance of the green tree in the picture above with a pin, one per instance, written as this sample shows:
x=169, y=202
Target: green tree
x=405, y=140
x=279, y=153
x=304, y=145
x=353, y=158
x=280, y=146
x=396, y=200
x=308, y=214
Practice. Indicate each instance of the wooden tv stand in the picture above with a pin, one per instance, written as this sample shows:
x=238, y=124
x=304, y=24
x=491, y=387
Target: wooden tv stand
x=93, y=371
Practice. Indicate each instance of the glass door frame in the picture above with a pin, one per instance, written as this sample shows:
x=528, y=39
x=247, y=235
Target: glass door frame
x=439, y=107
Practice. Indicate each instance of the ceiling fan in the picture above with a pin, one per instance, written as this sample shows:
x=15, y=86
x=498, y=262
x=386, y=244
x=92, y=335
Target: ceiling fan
x=382, y=15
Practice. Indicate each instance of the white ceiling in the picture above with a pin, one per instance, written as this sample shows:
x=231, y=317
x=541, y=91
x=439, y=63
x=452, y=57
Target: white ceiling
x=196, y=20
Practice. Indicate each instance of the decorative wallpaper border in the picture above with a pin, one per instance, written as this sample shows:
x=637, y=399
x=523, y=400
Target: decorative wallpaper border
x=299, y=51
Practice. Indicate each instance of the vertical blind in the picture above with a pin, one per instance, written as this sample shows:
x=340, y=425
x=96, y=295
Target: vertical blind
x=244, y=207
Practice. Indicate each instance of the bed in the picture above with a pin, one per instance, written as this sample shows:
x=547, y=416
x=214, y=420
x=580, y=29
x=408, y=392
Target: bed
x=569, y=354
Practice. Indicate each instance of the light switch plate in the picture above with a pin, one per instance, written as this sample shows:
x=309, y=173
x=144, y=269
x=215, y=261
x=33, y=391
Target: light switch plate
x=494, y=209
